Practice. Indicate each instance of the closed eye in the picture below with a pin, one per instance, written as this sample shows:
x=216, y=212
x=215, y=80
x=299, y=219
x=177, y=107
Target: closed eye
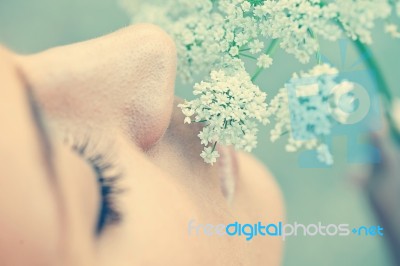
x=107, y=179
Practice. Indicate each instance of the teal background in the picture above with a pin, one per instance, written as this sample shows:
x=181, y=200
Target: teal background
x=329, y=195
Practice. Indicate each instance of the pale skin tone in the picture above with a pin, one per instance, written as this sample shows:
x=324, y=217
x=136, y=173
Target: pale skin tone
x=123, y=86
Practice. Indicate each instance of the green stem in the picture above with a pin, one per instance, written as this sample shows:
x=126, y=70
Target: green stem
x=284, y=133
x=381, y=84
x=375, y=71
x=318, y=53
x=269, y=51
x=380, y=81
x=215, y=144
x=248, y=56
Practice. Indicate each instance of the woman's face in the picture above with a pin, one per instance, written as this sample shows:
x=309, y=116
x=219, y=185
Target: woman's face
x=98, y=168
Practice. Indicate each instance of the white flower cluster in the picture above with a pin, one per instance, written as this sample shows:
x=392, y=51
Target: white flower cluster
x=216, y=36
x=358, y=17
x=264, y=61
x=295, y=23
x=308, y=107
x=390, y=27
x=229, y=105
x=205, y=29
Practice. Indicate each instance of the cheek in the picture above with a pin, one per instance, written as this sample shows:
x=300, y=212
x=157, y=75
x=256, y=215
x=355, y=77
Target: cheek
x=29, y=220
x=21, y=247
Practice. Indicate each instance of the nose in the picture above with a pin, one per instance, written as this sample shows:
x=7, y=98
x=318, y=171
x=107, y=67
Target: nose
x=125, y=79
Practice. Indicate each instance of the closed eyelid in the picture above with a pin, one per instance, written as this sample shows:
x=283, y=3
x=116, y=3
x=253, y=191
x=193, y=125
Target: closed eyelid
x=48, y=156
x=40, y=130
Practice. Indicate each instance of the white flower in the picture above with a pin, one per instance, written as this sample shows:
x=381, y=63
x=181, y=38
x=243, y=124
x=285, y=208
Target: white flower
x=205, y=30
x=358, y=17
x=241, y=39
x=256, y=46
x=206, y=136
x=296, y=31
x=249, y=142
x=264, y=61
x=215, y=35
x=233, y=105
x=392, y=30
x=187, y=120
x=246, y=6
x=209, y=155
x=234, y=51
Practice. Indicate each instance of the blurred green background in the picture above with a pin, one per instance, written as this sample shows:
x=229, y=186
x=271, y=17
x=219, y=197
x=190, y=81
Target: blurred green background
x=329, y=195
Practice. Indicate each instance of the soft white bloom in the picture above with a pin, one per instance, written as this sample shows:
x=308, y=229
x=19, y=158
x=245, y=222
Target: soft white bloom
x=204, y=30
x=234, y=51
x=213, y=36
x=249, y=142
x=296, y=31
x=264, y=61
x=256, y=46
x=209, y=155
x=241, y=39
x=392, y=30
x=358, y=17
x=246, y=6
x=229, y=104
x=206, y=136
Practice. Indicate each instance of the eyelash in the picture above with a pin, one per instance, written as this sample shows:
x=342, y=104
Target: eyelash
x=108, y=187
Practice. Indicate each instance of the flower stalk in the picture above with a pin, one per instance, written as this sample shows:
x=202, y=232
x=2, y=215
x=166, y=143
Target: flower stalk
x=381, y=85
x=269, y=51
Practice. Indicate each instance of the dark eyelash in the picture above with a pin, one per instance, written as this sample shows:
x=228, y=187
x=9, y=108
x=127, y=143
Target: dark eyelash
x=108, y=213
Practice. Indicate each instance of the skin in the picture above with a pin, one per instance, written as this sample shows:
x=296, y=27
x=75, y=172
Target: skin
x=118, y=89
